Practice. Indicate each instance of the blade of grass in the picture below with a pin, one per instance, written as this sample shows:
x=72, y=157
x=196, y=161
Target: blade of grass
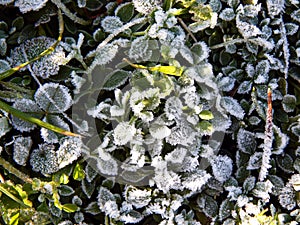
x=11, y=71
x=28, y=118
x=8, y=194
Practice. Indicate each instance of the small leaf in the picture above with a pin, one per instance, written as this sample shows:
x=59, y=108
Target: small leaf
x=285, y=163
x=255, y=161
x=249, y=184
x=296, y=15
x=92, y=208
x=289, y=103
x=111, y=24
x=225, y=209
x=64, y=179
x=232, y=106
x=78, y=172
x=115, y=79
x=4, y=126
x=227, y=14
x=222, y=168
x=206, y=115
x=69, y=208
x=246, y=141
x=291, y=28
x=14, y=220
x=88, y=188
x=65, y=190
x=245, y=87
x=125, y=11
x=262, y=70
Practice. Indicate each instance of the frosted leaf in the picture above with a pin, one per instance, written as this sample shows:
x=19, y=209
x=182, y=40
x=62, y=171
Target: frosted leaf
x=3, y=48
x=226, y=83
x=65, y=190
x=289, y=103
x=4, y=126
x=105, y=55
x=196, y=180
x=182, y=134
x=281, y=141
x=22, y=146
x=254, y=120
x=255, y=161
x=247, y=30
x=53, y=98
x=261, y=72
x=275, y=7
x=232, y=106
x=201, y=51
x=291, y=28
x=90, y=173
x=165, y=180
x=295, y=182
x=208, y=205
x=111, y=24
x=5, y=2
x=278, y=184
x=77, y=82
x=29, y=106
x=137, y=197
x=88, y=189
x=262, y=190
x=159, y=131
x=4, y=66
x=220, y=122
x=101, y=111
x=81, y=3
x=227, y=14
x=246, y=141
x=233, y=192
x=69, y=150
x=30, y=5
x=287, y=197
x=199, y=26
x=225, y=209
x=46, y=66
x=139, y=49
x=107, y=202
x=187, y=54
x=173, y=108
x=176, y=156
x=92, y=208
x=44, y=159
x=50, y=136
x=296, y=15
x=249, y=184
x=245, y=87
x=131, y=217
x=123, y=133
x=222, y=168
x=77, y=200
x=146, y=6
x=115, y=79
x=285, y=163
x=106, y=164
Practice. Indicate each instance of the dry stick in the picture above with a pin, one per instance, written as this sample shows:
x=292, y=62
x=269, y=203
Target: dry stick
x=6, y=165
x=267, y=150
x=69, y=14
x=187, y=29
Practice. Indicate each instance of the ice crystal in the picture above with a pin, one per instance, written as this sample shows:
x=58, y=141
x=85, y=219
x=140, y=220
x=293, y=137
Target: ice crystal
x=46, y=66
x=22, y=147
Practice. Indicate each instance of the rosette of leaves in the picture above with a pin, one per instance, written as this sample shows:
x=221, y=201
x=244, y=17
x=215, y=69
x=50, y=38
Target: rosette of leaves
x=46, y=66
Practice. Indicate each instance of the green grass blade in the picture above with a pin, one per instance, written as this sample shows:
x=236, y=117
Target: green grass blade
x=28, y=118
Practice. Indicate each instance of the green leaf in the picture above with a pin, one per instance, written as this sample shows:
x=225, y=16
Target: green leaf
x=115, y=79
x=14, y=220
x=125, y=11
x=205, y=127
x=206, y=115
x=64, y=179
x=78, y=173
x=65, y=190
x=289, y=103
x=69, y=208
